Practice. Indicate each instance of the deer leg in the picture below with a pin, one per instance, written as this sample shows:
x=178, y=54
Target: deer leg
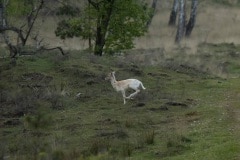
x=133, y=94
x=124, y=97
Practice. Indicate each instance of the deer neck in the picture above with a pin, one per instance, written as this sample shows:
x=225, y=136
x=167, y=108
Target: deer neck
x=114, y=82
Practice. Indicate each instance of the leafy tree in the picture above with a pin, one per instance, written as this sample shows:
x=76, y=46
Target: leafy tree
x=112, y=23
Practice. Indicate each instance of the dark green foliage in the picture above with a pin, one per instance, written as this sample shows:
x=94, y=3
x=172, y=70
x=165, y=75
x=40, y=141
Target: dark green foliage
x=127, y=22
x=69, y=29
x=20, y=7
x=68, y=10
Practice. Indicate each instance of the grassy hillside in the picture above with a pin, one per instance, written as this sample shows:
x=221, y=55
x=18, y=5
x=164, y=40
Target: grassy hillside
x=187, y=111
x=190, y=109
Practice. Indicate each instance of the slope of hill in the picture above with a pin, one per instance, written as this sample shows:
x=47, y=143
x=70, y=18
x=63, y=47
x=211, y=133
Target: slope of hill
x=185, y=112
x=190, y=109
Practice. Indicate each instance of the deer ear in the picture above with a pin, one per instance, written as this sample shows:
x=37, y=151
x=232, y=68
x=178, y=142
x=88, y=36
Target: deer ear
x=113, y=72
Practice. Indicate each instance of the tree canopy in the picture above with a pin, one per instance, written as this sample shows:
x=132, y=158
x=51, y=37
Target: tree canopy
x=113, y=24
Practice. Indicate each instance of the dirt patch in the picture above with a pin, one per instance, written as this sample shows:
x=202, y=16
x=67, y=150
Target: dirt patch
x=120, y=134
x=176, y=104
x=140, y=104
x=161, y=108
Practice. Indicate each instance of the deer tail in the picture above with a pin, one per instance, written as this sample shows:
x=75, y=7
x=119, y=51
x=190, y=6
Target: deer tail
x=142, y=86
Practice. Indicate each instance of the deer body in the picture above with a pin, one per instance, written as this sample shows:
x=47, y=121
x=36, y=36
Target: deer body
x=123, y=85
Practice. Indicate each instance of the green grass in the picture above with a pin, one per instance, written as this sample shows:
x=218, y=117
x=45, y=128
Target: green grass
x=185, y=113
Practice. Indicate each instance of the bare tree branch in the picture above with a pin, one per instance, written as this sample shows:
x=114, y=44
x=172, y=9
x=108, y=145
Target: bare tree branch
x=23, y=35
x=14, y=29
x=33, y=21
x=32, y=52
x=54, y=48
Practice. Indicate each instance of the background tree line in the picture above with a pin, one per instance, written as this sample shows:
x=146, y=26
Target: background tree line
x=109, y=25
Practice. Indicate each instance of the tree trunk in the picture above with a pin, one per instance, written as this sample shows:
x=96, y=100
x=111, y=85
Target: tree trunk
x=173, y=15
x=154, y=4
x=2, y=15
x=192, y=19
x=181, y=22
x=100, y=38
x=102, y=27
x=89, y=30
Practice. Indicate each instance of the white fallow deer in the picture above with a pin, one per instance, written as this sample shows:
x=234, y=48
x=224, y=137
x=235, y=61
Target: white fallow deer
x=123, y=85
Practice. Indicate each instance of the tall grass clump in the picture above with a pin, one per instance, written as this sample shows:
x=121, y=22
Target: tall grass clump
x=177, y=144
x=149, y=137
x=99, y=145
